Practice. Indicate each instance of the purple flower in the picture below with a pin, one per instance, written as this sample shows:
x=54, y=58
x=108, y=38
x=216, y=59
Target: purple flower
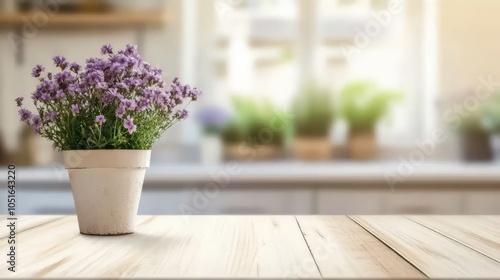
x=102, y=85
x=106, y=49
x=45, y=87
x=132, y=61
x=213, y=116
x=128, y=104
x=37, y=70
x=50, y=117
x=19, y=101
x=36, y=95
x=175, y=91
x=111, y=94
x=95, y=64
x=122, y=85
x=75, y=109
x=75, y=67
x=73, y=88
x=143, y=104
x=36, y=123
x=176, y=81
x=181, y=114
x=25, y=115
x=149, y=94
x=130, y=50
x=63, y=77
x=93, y=78
x=45, y=96
x=60, y=94
x=117, y=67
x=120, y=112
x=119, y=59
x=119, y=81
x=60, y=62
x=128, y=123
x=100, y=119
x=186, y=90
x=131, y=82
x=194, y=94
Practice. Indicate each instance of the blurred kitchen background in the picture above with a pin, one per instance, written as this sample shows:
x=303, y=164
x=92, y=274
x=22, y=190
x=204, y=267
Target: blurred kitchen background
x=309, y=106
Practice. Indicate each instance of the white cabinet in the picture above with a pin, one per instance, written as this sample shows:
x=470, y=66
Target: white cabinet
x=348, y=202
x=482, y=202
x=421, y=202
x=163, y=202
x=260, y=201
x=160, y=200
x=364, y=201
x=46, y=202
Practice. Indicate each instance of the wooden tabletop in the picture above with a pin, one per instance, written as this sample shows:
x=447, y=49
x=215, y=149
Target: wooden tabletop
x=311, y=247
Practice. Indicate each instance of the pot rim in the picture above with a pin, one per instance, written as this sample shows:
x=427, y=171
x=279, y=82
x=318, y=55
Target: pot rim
x=118, y=158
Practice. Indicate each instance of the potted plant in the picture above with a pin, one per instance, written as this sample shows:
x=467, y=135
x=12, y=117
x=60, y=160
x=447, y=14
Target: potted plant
x=213, y=119
x=313, y=117
x=363, y=104
x=491, y=122
x=474, y=138
x=105, y=117
x=250, y=135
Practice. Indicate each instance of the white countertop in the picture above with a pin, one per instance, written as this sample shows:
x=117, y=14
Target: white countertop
x=287, y=173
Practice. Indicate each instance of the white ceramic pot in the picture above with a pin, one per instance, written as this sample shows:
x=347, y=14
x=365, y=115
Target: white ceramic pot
x=106, y=187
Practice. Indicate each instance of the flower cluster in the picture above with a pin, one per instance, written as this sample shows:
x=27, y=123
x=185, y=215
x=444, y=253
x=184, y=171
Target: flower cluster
x=115, y=102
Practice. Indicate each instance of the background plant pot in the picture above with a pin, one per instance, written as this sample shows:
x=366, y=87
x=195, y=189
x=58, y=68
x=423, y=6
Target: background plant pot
x=362, y=144
x=476, y=145
x=312, y=148
x=251, y=153
x=211, y=149
x=106, y=187
x=495, y=146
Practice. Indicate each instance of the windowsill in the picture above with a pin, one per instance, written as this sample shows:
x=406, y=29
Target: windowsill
x=295, y=174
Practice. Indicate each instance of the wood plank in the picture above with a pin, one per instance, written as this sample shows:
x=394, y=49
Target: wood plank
x=432, y=253
x=26, y=222
x=476, y=232
x=495, y=219
x=168, y=246
x=342, y=249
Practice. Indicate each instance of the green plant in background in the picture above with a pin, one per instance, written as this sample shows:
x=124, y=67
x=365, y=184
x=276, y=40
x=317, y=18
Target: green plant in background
x=313, y=112
x=252, y=123
x=490, y=114
x=470, y=122
x=363, y=104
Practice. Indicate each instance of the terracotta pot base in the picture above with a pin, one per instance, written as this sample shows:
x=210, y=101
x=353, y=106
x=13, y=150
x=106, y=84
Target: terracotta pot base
x=314, y=149
x=362, y=145
x=245, y=153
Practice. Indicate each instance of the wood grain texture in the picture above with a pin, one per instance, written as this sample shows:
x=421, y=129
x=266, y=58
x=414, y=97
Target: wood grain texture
x=26, y=222
x=432, y=253
x=479, y=233
x=168, y=246
x=492, y=218
x=343, y=249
